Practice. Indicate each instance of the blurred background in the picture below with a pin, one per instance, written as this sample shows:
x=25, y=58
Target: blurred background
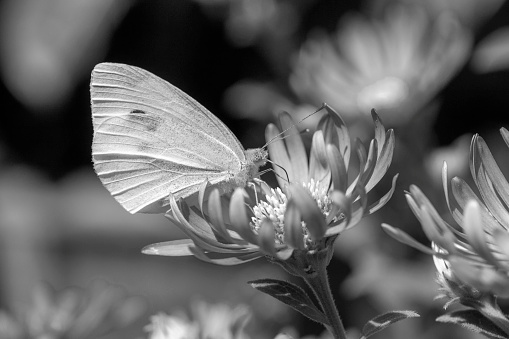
x=437, y=71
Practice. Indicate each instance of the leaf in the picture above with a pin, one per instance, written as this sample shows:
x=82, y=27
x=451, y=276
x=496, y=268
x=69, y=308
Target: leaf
x=382, y=321
x=474, y=321
x=292, y=295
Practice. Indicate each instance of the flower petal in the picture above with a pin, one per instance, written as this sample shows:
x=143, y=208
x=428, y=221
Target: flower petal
x=202, y=193
x=492, y=169
x=501, y=239
x=482, y=278
x=239, y=218
x=181, y=215
x=342, y=203
x=215, y=213
x=296, y=150
x=266, y=237
x=472, y=224
x=318, y=165
x=337, y=168
x=379, y=130
x=369, y=167
x=463, y=194
x=278, y=154
x=490, y=197
x=440, y=236
x=403, y=237
x=385, y=153
x=505, y=135
x=173, y=248
x=383, y=200
x=294, y=234
x=309, y=211
x=336, y=132
x=213, y=258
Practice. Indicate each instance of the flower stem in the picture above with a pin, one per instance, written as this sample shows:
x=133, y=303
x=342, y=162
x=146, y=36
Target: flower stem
x=319, y=284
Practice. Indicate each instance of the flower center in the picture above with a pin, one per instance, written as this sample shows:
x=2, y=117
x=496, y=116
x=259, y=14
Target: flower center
x=386, y=93
x=274, y=208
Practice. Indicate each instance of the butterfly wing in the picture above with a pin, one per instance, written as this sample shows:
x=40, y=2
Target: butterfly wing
x=150, y=139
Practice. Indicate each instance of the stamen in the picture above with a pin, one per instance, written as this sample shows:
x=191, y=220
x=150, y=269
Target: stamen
x=273, y=208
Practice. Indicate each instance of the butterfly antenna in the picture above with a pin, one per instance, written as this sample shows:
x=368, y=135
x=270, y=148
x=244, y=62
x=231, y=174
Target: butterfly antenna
x=284, y=169
x=324, y=105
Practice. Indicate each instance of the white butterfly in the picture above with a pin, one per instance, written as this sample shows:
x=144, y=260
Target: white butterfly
x=152, y=139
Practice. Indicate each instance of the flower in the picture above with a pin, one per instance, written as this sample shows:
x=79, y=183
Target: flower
x=73, y=313
x=477, y=252
x=314, y=203
x=211, y=321
x=396, y=64
x=163, y=326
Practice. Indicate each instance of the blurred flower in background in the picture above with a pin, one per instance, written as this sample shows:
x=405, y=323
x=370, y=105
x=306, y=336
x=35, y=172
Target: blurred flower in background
x=395, y=64
x=210, y=321
x=73, y=313
x=47, y=46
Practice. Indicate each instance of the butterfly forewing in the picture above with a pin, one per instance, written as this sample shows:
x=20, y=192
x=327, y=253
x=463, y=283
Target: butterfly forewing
x=151, y=139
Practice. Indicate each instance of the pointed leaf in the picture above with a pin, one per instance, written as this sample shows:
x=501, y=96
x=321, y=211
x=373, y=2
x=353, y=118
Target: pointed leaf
x=382, y=321
x=292, y=295
x=474, y=321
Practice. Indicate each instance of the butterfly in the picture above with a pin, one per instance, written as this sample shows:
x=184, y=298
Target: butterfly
x=152, y=139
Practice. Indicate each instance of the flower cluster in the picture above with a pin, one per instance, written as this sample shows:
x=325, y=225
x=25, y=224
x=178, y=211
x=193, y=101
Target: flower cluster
x=73, y=313
x=472, y=258
x=316, y=199
x=211, y=321
x=396, y=64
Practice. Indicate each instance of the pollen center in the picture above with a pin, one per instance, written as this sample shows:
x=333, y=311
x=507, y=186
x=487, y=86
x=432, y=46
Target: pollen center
x=273, y=208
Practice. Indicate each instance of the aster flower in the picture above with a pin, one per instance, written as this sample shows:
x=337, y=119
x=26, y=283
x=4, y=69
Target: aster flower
x=472, y=258
x=314, y=203
x=476, y=250
x=396, y=64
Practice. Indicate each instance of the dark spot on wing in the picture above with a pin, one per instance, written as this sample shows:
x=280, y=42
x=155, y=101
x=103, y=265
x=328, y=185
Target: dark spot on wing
x=137, y=111
x=149, y=121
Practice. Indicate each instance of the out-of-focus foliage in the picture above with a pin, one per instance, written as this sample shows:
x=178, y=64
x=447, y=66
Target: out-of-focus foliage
x=72, y=313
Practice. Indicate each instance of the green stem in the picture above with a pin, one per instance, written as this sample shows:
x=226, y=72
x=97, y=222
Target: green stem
x=311, y=265
x=319, y=284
